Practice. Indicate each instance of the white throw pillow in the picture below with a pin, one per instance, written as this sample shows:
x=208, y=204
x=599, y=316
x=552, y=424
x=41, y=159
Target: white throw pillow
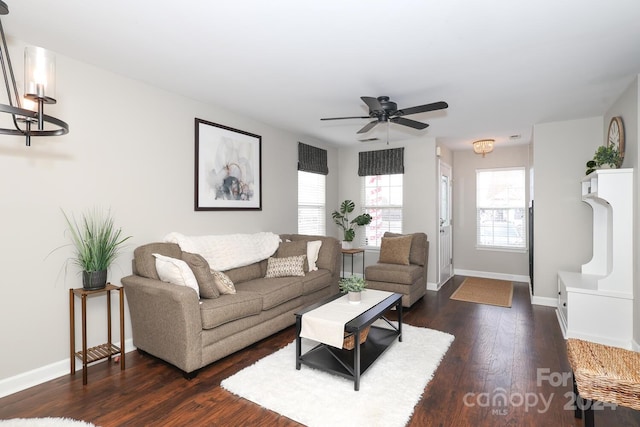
x=176, y=271
x=313, y=249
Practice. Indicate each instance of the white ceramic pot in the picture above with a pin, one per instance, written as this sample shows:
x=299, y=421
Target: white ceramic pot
x=355, y=297
x=346, y=245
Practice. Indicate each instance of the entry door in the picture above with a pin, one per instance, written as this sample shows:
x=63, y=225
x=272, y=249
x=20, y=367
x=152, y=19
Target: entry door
x=445, y=254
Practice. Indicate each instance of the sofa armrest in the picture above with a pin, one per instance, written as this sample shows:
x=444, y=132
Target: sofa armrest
x=165, y=320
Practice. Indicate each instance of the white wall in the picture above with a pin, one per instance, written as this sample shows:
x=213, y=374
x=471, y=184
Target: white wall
x=420, y=210
x=467, y=258
x=562, y=223
x=131, y=149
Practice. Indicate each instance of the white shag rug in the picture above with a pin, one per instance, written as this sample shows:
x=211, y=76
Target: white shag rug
x=389, y=389
x=44, y=422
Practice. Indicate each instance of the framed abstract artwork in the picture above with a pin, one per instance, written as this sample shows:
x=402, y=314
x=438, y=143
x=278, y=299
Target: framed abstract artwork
x=228, y=168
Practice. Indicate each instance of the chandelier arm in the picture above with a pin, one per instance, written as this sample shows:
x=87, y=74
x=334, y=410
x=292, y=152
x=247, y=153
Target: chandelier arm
x=32, y=116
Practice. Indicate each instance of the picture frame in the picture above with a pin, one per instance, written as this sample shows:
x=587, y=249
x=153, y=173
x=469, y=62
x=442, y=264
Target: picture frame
x=228, y=168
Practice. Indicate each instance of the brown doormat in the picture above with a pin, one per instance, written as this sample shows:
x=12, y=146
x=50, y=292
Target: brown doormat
x=485, y=291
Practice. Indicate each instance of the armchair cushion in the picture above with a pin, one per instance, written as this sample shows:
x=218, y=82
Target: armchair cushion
x=419, y=247
x=393, y=273
x=395, y=250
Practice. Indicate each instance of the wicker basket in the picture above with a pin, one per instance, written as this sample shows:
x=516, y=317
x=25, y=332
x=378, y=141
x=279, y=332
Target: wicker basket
x=607, y=374
x=349, y=339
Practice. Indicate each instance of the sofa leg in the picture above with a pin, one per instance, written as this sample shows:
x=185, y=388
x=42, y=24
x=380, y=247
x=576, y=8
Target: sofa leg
x=189, y=375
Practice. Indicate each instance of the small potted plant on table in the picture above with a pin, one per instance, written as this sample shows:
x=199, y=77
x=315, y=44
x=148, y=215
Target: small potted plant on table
x=353, y=286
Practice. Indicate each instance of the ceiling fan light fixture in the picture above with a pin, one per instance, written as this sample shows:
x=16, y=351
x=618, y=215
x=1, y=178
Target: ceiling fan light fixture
x=483, y=146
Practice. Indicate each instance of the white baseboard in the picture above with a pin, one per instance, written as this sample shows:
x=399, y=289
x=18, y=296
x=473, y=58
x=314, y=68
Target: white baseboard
x=45, y=373
x=490, y=275
x=431, y=286
x=546, y=301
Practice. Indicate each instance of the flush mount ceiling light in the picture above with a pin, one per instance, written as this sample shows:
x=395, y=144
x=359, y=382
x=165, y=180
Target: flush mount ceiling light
x=39, y=88
x=483, y=146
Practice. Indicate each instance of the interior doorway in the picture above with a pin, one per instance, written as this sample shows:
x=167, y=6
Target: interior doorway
x=445, y=239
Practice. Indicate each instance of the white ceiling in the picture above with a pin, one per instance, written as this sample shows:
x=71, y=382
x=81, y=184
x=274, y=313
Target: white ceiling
x=502, y=65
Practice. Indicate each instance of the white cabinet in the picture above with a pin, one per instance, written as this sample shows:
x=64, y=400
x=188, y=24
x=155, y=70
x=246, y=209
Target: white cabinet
x=596, y=304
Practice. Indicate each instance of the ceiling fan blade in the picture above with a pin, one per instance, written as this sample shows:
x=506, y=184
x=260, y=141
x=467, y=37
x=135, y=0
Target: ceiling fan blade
x=423, y=108
x=342, y=118
x=368, y=127
x=408, y=122
x=372, y=103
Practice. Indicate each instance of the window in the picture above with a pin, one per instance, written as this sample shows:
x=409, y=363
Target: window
x=382, y=199
x=311, y=203
x=500, y=205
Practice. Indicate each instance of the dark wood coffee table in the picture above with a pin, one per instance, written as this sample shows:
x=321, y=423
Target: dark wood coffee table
x=352, y=364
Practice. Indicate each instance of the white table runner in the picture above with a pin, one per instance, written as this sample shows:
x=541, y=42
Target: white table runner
x=325, y=324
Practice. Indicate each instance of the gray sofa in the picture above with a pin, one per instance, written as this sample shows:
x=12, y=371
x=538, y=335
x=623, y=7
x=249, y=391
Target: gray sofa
x=408, y=278
x=171, y=323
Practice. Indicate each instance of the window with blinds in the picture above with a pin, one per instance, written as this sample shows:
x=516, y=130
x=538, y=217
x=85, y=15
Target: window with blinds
x=382, y=199
x=311, y=203
x=501, y=208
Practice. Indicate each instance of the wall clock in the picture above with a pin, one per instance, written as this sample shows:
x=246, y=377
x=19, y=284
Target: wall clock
x=615, y=135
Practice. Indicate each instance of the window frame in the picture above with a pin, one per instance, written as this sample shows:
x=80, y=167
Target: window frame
x=523, y=227
x=368, y=208
x=321, y=207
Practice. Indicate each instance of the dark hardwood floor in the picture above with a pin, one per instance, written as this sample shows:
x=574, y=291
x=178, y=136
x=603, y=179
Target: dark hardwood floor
x=504, y=368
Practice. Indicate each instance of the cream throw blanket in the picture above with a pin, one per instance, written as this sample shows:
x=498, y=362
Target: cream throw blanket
x=227, y=251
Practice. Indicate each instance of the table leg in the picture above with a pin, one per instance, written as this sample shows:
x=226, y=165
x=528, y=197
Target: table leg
x=399, y=310
x=298, y=342
x=352, y=264
x=109, y=324
x=84, y=339
x=72, y=332
x=121, y=290
x=356, y=361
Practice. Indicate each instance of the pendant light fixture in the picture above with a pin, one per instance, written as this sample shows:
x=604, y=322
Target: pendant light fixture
x=39, y=81
x=483, y=146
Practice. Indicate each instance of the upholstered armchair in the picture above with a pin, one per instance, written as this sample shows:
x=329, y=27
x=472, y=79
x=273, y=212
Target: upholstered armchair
x=402, y=266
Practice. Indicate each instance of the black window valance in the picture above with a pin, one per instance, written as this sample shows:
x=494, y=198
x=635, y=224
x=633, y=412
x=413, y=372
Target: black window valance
x=312, y=159
x=381, y=162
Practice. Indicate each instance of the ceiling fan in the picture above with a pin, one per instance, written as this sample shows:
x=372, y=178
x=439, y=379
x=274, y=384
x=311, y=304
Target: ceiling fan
x=384, y=111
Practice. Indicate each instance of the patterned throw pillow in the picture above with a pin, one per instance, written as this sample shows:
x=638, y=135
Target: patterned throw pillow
x=285, y=267
x=223, y=283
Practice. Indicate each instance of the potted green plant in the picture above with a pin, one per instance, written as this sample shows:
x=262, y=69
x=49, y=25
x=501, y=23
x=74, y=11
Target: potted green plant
x=341, y=218
x=352, y=286
x=97, y=242
x=606, y=156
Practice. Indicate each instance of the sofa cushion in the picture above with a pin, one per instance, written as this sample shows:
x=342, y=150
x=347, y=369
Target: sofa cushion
x=292, y=248
x=394, y=273
x=248, y=272
x=200, y=268
x=144, y=261
x=176, y=272
x=285, y=267
x=223, y=283
x=274, y=291
x=418, y=254
x=227, y=308
x=315, y=280
x=395, y=250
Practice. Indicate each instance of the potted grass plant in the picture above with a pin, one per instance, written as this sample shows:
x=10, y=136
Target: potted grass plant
x=97, y=243
x=353, y=286
x=341, y=218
